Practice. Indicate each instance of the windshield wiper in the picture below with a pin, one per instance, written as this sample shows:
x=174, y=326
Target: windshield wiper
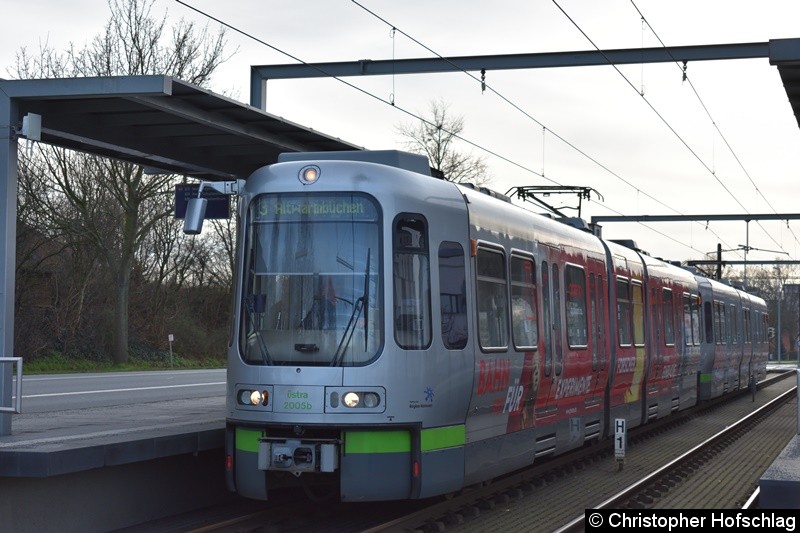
x=366, y=300
x=360, y=305
x=250, y=307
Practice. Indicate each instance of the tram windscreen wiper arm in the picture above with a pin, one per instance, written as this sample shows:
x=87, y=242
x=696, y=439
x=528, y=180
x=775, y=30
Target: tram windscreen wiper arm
x=347, y=336
x=366, y=301
x=250, y=307
x=360, y=305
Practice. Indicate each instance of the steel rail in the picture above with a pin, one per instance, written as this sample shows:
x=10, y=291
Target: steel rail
x=629, y=492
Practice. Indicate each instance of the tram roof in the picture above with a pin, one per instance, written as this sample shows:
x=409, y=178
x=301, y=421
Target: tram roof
x=162, y=123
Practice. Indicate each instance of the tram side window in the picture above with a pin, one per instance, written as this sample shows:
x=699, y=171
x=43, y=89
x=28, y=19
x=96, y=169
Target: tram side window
x=721, y=324
x=708, y=321
x=757, y=328
x=593, y=317
x=599, y=326
x=547, y=322
x=556, y=281
x=638, y=313
x=492, y=305
x=453, y=295
x=715, y=309
x=747, y=331
x=668, y=313
x=733, y=325
x=412, y=282
x=655, y=311
x=695, y=305
x=687, y=321
x=577, y=330
x=624, y=312
x=524, y=324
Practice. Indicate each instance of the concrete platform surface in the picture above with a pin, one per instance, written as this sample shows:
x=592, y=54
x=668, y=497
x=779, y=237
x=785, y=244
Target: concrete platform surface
x=61, y=442
x=779, y=486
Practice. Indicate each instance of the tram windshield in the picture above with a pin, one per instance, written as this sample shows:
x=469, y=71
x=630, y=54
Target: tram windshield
x=311, y=294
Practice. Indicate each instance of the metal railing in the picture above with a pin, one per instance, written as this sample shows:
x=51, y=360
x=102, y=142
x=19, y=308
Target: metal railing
x=16, y=406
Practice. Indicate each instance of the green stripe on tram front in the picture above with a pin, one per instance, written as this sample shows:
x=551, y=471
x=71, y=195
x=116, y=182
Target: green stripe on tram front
x=445, y=437
x=247, y=439
x=363, y=442
x=377, y=442
x=705, y=377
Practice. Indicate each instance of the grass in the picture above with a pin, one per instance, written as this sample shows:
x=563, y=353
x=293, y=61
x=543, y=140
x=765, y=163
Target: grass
x=57, y=363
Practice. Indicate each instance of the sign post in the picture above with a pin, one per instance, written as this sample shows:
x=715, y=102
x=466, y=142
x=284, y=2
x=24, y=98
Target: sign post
x=620, y=441
x=171, y=338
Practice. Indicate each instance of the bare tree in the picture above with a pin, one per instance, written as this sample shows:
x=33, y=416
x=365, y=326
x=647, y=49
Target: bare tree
x=224, y=239
x=107, y=206
x=436, y=137
x=779, y=288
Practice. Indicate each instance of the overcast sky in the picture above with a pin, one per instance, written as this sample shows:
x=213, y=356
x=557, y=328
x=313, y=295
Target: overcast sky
x=619, y=145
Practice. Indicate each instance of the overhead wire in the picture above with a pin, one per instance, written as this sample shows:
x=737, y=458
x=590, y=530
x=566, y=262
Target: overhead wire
x=393, y=104
x=512, y=104
x=657, y=113
x=545, y=128
x=713, y=122
x=364, y=91
x=651, y=106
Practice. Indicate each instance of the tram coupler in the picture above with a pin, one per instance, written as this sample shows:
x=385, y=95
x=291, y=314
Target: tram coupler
x=297, y=456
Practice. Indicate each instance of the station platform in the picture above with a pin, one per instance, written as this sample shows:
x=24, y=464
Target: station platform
x=779, y=486
x=65, y=442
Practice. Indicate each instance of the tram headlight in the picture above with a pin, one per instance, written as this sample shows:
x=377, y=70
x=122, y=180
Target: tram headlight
x=351, y=399
x=256, y=397
x=366, y=400
x=244, y=397
x=355, y=399
x=309, y=174
x=253, y=397
x=371, y=400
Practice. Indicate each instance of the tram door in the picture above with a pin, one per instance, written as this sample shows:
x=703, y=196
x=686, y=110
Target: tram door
x=569, y=407
x=551, y=350
x=550, y=344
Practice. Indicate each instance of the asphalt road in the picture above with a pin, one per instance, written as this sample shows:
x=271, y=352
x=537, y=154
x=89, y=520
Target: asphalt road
x=59, y=392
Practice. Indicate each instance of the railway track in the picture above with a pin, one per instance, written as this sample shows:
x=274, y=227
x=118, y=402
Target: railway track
x=551, y=495
x=546, y=501
x=701, y=472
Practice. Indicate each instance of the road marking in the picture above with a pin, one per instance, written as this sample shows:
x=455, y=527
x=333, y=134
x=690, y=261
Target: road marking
x=111, y=375
x=76, y=393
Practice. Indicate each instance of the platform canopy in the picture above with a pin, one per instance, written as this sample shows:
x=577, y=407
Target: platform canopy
x=785, y=54
x=162, y=123
x=159, y=122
